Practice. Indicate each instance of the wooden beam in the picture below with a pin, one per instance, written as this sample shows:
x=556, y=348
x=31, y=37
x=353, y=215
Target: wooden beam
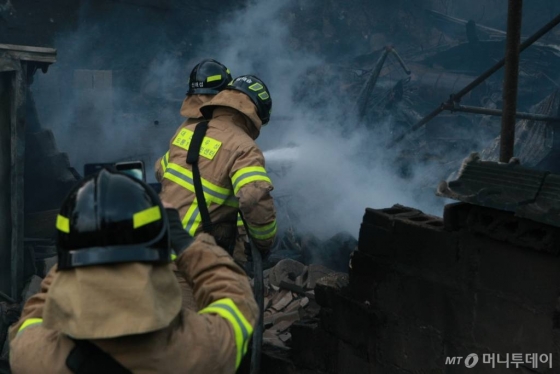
x=27, y=53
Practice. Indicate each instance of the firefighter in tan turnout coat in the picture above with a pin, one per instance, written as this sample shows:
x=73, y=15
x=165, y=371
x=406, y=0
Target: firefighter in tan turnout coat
x=231, y=166
x=112, y=303
x=207, y=78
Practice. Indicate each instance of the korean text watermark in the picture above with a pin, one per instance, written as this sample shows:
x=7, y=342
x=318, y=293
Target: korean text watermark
x=513, y=360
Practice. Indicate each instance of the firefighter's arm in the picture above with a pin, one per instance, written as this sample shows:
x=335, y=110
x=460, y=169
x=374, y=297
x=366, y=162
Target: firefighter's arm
x=252, y=186
x=32, y=313
x=158, y=170
x=223, y=292
x=161, y=166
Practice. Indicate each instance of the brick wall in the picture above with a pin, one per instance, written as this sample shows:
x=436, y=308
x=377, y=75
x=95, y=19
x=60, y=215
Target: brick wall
x=422, y=289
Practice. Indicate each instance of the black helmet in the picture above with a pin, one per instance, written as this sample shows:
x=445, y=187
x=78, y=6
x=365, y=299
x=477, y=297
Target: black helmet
x=111, y=217
x=257, y=91
x=209, y=77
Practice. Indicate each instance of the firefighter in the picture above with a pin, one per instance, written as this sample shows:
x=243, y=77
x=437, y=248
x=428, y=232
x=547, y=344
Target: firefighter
x=220, y=156
x=112, y=303
x=207, y=78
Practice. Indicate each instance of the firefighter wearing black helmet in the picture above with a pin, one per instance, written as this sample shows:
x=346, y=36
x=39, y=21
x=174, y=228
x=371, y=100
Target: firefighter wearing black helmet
x=230, y=165
x=112, y=303
x=207, y=79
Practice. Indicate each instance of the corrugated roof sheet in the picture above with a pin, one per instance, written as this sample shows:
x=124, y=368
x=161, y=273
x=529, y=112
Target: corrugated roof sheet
x=529, y=193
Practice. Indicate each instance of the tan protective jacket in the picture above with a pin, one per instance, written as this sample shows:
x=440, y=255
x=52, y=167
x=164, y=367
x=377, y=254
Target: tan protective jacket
x=191, y=110
x=233, y=173
x=210, y=341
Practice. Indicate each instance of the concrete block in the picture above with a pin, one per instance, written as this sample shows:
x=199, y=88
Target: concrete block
x=506, y=326
x=351, y=360
x=396, y=293
x=365, y=273
x=274, y=362
x=327, y=286
x=376, y=240
x=348, y=320
x=313, y=347
x=412, y=348
x=530, y=276
x=418, y=241
x=503, y=226
x=385, y=217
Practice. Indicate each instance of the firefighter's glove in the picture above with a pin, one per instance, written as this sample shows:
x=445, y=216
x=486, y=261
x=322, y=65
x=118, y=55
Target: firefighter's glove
x=180, y=239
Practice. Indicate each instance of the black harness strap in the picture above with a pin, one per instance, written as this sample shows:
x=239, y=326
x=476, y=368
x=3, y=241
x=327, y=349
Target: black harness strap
x=87, y=358
x=192, y=159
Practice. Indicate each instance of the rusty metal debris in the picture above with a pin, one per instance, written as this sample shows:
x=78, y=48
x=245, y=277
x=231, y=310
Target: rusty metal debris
x=365, y=93
x=498, y=113
x=457, y=97
x=535, y=144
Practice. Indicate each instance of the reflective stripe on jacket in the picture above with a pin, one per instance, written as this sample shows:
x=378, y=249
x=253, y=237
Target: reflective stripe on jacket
x=215, y=338
x=233, y=176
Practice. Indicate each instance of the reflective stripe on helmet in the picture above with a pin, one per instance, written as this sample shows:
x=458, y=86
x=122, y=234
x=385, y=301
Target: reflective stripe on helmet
x=263, y=232
x=248, y=175
x=146, y=216
x=256, y=87
x=63, y=224
x=213, y=78
x=30, y=322
x=242, y=329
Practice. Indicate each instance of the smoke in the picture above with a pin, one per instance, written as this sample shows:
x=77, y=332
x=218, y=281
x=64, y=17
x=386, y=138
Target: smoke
x=329, y=166
x=113, y=94
x=325, y=166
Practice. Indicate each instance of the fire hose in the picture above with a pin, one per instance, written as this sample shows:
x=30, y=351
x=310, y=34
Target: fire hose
x=258, y=290
x=259, y=297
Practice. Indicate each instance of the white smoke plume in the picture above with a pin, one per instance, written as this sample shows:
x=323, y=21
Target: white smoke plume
x=330, y=167
x=336, y=169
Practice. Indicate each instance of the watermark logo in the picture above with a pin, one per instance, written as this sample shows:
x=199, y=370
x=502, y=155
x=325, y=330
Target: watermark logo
x=469, y=362
x=509, y=359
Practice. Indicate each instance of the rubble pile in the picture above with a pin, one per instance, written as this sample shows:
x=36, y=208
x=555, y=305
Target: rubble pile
x=289, y=297
x=536, y=143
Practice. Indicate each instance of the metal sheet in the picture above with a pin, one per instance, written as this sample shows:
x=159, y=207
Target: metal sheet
x=494, y=185
x=530, y=194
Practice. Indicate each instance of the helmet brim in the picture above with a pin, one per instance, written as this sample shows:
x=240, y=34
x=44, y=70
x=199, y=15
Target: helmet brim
x=111, y=255
x=202, y=91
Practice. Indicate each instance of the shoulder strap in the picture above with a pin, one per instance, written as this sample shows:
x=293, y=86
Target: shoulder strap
x=87, y=358
x=192, y=159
